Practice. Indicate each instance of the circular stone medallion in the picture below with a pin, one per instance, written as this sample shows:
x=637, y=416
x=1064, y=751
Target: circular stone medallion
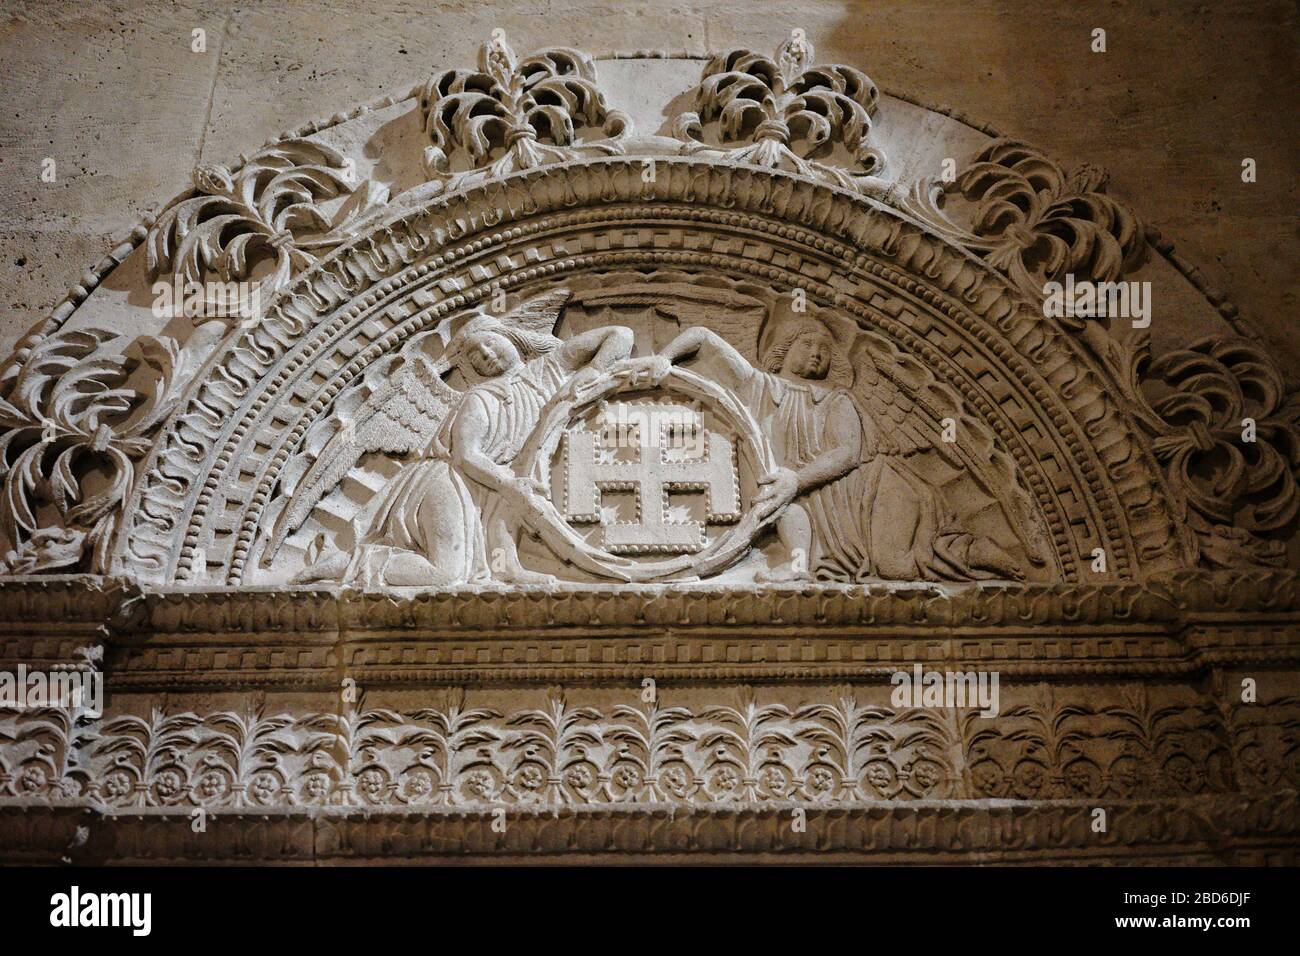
x=648, y=483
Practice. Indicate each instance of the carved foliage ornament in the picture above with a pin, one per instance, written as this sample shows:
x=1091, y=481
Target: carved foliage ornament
x=1228, y=434
x=1218, y=411
x=786, y=113
x=1033, y=221
x=76, y=420
x=512, y=114
x=265, y=221
x=1218, y=387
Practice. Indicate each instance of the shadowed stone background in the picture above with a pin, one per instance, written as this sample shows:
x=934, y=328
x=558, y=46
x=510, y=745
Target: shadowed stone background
x=112, y=91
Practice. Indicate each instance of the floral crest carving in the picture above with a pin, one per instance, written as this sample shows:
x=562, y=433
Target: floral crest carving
x=1227, y=433
x=75, y=420
x=1033, y=221
x=513, y=114
x=270, y=211
x=785, y=112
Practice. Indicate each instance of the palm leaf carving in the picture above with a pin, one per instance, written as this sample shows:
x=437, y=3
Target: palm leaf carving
x=261, y=222
x=785, y=113
x=513, y=114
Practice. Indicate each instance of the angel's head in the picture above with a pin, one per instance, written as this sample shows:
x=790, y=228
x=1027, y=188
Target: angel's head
x=490, y=353
x=491, y=347
x=801, y=348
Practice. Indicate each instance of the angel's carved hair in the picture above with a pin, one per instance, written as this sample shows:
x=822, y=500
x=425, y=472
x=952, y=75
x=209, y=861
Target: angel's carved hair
x=527, y=343
x=784, y=336
x=786, y=328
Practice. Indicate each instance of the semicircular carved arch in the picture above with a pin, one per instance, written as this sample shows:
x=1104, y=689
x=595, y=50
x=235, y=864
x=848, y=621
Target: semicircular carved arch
x=1045, y=406
x=748, y=412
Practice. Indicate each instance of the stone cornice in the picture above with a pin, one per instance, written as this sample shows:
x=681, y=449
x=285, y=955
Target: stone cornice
x=307, y=637
x=1230, y=829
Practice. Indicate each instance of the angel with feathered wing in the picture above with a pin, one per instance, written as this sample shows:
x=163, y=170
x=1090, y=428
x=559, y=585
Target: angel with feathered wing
x=453, y=516
x=850, y=505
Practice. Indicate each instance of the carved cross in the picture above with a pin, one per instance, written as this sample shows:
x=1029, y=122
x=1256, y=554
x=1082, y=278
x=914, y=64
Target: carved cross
x=666, y=441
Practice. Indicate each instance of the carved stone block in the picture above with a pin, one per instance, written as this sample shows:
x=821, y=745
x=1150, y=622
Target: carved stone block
x=628, y=484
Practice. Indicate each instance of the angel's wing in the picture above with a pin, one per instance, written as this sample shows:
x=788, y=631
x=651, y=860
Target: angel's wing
x=885, y=385
x=397, y=407
x=909, y=406
x=540, y=313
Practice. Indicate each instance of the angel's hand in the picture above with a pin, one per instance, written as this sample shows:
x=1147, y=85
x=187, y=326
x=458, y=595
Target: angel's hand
x=775, y=492
x=531, y=492
x=525, y=487
x=590, y=383
x=645, y=372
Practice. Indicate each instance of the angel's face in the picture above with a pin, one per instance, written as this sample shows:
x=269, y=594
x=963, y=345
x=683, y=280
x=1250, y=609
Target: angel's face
x=491, y=355
x=809, y=355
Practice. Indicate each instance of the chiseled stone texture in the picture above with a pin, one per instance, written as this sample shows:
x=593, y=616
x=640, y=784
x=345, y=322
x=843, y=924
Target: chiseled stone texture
x=617, y=502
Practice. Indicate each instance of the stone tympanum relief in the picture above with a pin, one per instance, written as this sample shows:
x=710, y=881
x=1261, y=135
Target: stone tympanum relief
x=975, y=437
x=803, y=461
x=561, y=381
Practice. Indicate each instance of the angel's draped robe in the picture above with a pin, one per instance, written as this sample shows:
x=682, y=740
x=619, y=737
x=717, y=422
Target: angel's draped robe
x=432, y=510
x=881, y=520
